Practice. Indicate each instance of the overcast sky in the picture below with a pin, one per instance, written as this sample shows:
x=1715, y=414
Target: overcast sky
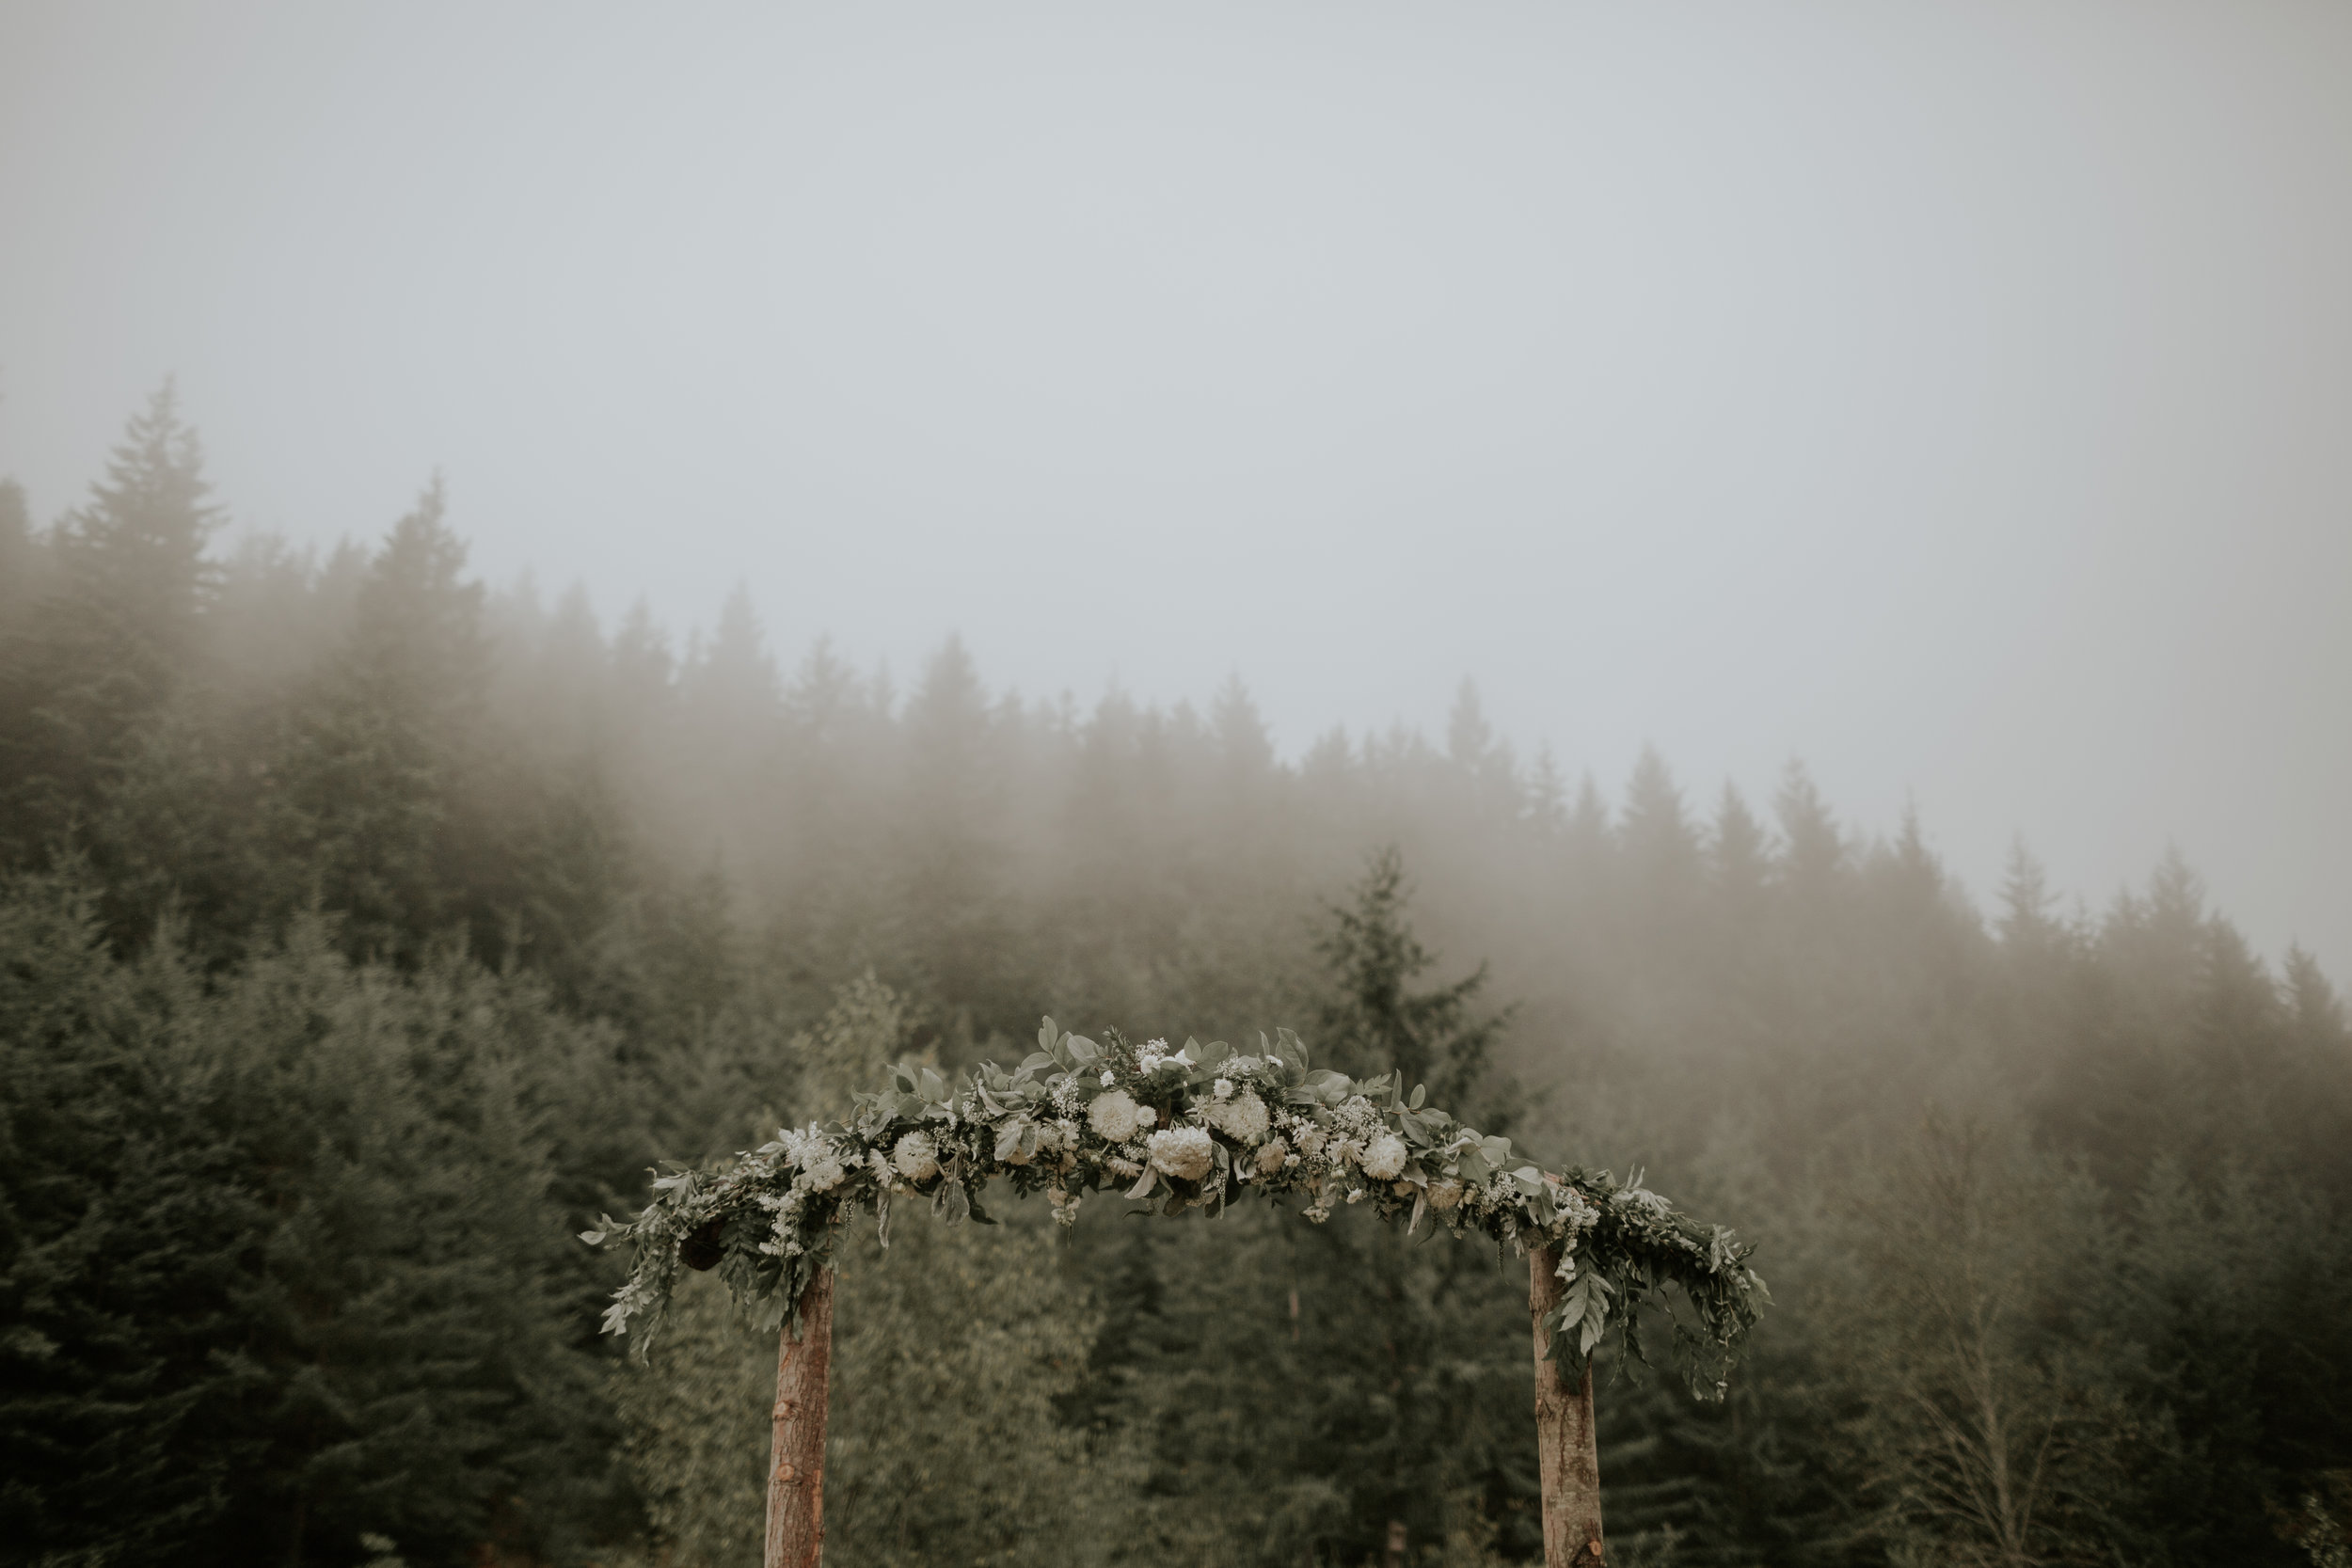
x=1957, y=398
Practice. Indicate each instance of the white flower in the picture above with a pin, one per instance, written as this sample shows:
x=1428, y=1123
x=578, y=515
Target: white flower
x=1641, y=1198
x=803, y=1148
x=1224, y=1089
x=1384, y=1161
x=1115, y=1116
x=1183, y=1153
x=823, y=1177
x=1147, y=1116
x=1356, y=1195
x=1310, y=1141
x=1242, y=1119
x=916, y=1157
x=1273, y=1156
x=1444, y=1193
x=1107, y=1077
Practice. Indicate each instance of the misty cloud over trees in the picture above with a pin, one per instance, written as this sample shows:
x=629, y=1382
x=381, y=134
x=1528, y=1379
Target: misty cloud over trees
x=365, y=932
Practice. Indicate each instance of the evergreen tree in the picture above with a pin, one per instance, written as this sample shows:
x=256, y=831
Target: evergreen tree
x=102, y=653
x=375, y=817
x=1370, y=1023
x=22, y=559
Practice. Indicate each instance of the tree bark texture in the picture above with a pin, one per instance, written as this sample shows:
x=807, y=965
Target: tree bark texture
x=1564, y=1436
x=796, y=1478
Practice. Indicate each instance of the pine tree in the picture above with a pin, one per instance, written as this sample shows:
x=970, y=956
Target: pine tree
x=1661, y=850
x=23, y=559
x=1738, y=856
x=1370, y=1023
x=375, y=809
x=1815, y=852
x=121, y=1234
x=102, y=653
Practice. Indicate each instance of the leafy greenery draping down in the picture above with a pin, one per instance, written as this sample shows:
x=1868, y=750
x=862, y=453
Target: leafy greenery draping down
x=1192, y=1128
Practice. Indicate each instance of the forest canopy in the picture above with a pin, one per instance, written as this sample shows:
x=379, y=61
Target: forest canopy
x=365, y=933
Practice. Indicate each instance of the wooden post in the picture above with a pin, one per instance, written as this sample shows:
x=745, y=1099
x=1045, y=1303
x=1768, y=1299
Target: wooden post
x=1564, y=1436
x=796, y=1478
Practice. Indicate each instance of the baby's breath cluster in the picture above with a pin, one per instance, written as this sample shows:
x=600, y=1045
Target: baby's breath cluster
x=1191, y=1127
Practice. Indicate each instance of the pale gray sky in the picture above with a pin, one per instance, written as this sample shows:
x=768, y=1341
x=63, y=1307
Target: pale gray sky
x=1958, y=397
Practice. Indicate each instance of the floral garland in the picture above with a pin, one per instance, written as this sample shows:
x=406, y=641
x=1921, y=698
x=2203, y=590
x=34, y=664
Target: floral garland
x=1192, y=1128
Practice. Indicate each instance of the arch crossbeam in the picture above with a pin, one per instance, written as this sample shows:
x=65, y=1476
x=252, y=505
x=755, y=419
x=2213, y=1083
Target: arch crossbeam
x=1197, y=1127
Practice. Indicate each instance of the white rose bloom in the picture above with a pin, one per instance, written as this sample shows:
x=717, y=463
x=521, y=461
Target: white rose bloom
x=1444, y=1193
x=1242, y=1119
x=1271, y=1157
x=1147, y=1116
x=1114, y=1115
x=1384, y=1160
x=1184, y=1152
x=916, y=1157
x=1108, y=1077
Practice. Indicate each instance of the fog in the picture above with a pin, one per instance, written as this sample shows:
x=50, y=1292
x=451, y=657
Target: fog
x=1702, y=585
x=1959, y=400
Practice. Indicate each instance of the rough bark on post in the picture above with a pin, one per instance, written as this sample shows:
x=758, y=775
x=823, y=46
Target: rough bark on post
x=795, y=1477
x=1564, y=1436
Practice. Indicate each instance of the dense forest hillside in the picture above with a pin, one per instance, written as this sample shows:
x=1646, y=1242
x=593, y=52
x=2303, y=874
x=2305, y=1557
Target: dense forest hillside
x=364, y=933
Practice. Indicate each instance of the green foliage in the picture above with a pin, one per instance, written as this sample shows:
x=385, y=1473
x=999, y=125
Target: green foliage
x=952, y=1349
x=227, y=1228
x=280, y=1260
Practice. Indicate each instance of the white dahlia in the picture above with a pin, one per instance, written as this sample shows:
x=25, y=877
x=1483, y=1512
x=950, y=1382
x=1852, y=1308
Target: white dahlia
x=1114, y=1115
x=1384, y=1158
x=1183, y=1153
x=1242, y=1118
x=916, y=1157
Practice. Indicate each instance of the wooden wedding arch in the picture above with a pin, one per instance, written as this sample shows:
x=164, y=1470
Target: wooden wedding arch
x=1192, y=1128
